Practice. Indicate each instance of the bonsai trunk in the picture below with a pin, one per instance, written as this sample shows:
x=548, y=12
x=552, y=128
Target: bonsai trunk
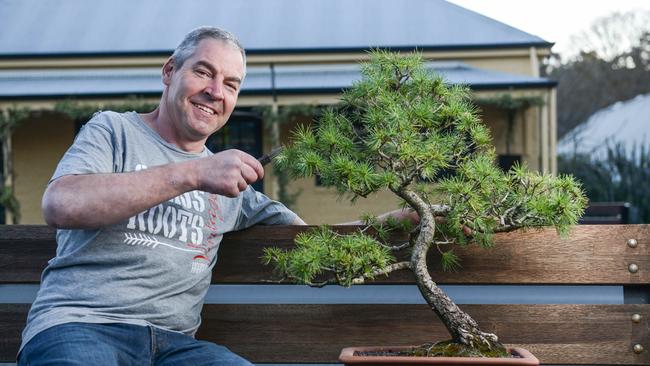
x=463, y=329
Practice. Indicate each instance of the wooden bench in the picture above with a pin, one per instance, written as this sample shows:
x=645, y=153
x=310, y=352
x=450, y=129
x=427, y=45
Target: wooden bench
x=567, y=334
x=605, y=213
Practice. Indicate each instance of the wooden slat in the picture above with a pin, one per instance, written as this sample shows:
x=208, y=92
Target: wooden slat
x=21, y=233
x=24, y=252
x=12, y=322
x=23, y=262
x=601, y=213
x=559, y=334
x=556, y=334
x=607, y=209
x=593, y=254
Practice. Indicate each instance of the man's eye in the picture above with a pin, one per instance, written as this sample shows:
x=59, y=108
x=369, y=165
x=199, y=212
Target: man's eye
x=203, y=73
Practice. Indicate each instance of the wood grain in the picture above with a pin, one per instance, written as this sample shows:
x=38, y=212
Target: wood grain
x=592, y=254
x=556, y=334
x=559, y=334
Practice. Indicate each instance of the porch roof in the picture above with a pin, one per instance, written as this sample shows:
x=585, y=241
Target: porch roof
x=260, y=80
x=44, y=28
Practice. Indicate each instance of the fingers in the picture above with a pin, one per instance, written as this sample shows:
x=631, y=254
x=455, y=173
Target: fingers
x=252, y=163
x=242, y=185
x=229, y=173
x=232, y=189
x=249, y=175
x=251, y=170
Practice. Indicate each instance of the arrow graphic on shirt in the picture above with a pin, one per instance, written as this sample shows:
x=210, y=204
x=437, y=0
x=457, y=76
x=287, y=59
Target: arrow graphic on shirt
x=149, y=241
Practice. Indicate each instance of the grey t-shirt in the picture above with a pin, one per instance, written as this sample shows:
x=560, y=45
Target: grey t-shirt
x=155, y=267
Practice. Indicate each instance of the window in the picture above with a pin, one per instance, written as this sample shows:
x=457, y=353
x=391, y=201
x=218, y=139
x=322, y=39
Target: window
x=508, y=161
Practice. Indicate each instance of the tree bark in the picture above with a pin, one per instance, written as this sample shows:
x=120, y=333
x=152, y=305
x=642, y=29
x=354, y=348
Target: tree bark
x=462, y=327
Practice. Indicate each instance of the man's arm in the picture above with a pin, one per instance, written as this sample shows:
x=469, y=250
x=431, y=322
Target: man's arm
x=94, y=200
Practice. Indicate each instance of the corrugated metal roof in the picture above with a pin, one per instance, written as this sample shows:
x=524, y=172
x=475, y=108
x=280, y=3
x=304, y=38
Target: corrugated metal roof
x=314, y=78
x=626, y=123
x=70, y=27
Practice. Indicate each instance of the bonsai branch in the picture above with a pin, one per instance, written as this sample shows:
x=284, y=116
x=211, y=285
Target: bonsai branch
x=337, y=279
x=396, y=248
x=294, y=279
x=384, y=271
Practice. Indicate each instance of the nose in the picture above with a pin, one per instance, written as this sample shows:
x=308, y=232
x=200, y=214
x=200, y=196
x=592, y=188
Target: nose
x=214, y=90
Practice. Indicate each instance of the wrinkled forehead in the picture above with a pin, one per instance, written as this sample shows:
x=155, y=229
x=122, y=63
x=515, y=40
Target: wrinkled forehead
x=220, y=52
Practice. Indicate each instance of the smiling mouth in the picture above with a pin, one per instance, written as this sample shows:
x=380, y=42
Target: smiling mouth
x=205, y=109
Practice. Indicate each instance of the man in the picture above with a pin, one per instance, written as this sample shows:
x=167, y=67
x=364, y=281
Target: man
x=141, y=206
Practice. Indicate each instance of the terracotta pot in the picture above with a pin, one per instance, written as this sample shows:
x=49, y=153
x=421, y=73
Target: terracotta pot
x=347, y=357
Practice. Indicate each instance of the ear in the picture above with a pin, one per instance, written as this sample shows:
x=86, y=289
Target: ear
x=167, y=71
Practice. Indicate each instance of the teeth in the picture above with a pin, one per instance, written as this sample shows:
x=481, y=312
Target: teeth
x=205, y=109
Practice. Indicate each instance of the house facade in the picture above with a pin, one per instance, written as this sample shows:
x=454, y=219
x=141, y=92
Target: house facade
x=99, y=53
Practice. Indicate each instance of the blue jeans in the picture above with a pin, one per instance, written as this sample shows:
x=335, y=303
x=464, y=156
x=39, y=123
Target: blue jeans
x=121, y=344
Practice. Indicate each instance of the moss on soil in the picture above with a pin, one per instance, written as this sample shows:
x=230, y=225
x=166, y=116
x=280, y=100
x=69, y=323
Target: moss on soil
x=452, y=349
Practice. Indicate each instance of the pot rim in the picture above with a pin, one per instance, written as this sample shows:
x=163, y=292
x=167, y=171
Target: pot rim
x=527, y=358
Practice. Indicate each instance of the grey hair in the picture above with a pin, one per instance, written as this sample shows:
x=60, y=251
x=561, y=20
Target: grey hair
x=188, y=45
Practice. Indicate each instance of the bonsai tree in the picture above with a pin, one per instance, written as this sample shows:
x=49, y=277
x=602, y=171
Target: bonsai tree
x=404, y=129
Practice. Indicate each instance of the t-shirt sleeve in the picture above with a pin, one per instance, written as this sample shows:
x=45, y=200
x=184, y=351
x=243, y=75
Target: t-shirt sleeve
x=257, y=208
x=91, y=152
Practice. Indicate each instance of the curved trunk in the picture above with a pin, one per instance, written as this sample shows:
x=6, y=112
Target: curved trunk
x=461, y=326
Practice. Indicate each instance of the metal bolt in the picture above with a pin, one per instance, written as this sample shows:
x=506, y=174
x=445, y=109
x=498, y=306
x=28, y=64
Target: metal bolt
x=636, y=318
x=632, y=243
x=633, y=268
x=638, y=348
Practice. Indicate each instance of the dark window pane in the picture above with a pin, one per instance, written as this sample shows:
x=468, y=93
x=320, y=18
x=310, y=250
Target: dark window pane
x=508, y=161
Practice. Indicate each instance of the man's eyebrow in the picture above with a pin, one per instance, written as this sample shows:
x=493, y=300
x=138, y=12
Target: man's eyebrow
x=234, y=78
x=213, y=70
x=206, y=65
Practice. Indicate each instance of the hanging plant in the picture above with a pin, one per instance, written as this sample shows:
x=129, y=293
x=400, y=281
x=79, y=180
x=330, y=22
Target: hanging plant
x=10, y=119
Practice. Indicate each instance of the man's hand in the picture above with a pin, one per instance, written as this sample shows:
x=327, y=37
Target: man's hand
x=227, y=173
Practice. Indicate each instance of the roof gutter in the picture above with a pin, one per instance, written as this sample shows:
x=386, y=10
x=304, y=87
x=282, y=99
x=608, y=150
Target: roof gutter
x=545, y=84
x=275, y=51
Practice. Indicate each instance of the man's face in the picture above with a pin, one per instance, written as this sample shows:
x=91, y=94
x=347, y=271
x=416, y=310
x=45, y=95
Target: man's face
x=202, y=93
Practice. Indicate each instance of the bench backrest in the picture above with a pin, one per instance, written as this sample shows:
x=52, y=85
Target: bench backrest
x=605, y=213
x=591, y=333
